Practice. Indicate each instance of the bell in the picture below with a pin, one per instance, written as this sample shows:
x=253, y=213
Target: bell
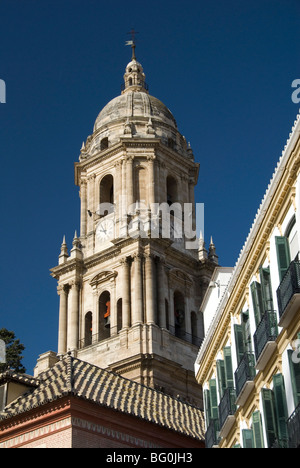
x=107, y=322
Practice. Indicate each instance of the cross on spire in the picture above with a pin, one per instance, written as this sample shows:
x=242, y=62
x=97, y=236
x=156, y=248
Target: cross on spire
x=132, y=42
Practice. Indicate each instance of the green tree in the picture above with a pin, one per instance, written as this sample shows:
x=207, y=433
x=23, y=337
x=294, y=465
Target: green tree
x=14, y=351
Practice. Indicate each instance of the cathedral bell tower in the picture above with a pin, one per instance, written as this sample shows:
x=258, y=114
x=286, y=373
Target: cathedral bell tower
x=130, y=288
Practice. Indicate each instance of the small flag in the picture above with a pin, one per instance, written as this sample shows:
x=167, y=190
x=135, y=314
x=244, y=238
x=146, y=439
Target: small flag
x=129, y=43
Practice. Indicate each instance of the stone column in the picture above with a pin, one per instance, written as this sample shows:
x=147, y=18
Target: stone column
x=73, y=316
x=129, y=182
x=83, y=209
x=188, y=324
x=138, y=289
x=151, y=180
x=162, y=319
x=150, y=289
x=171, y=309
x=63, y=318
x=113, y=309
x=126, y=294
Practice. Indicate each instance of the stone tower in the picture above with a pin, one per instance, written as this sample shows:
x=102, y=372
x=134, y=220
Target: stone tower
x=131, y=286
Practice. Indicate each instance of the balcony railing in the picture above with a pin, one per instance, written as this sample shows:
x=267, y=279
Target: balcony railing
x=288, y=294
x=245, y=373
x=212, y=437
x=293, y=424
x=181, y=334
x=227, y=407
x=264, y=338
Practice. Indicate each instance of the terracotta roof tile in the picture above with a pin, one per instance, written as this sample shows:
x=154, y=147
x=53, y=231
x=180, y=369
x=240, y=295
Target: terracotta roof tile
x=72, y=376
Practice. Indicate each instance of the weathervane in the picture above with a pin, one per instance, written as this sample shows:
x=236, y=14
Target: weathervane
x=132, y=42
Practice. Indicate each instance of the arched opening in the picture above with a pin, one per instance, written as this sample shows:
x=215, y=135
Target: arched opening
x=104, y=316
x=172, y=190
x=194, y=325
x=106, y=195
x=119, y=315
x=88, y=328
x=179, y=314
x=104, y=143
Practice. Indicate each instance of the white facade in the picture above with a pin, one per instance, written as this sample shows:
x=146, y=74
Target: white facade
x=252, y=331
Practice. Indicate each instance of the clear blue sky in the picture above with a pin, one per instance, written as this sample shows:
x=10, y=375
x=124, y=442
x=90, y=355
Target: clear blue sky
x=223, y=67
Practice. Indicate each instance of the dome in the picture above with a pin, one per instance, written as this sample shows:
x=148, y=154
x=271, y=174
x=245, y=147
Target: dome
x=135, y=107
x=134, y=114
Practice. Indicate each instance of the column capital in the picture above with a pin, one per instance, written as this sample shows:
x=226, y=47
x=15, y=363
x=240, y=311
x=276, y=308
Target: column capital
x=75, y=284
x=63, y=288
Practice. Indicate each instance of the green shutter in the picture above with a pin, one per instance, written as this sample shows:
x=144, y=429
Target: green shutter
x=266, y=288
x=207, y=407
x=248, y=441
x=295, y=376
x=256, y=294
x=257, y=430
x=228, y=367
x=283, y=255
x=214, y=409
x=269, y=414
x=239, y=342
x=221, y=377
x=247, y=332
x=281, y=406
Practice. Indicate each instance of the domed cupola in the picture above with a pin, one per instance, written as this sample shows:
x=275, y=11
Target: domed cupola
x=134, y=77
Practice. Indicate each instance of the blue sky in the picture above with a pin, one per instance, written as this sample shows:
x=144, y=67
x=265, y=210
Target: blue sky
x=224, y=68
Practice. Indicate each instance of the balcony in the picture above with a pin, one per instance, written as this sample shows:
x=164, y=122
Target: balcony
x=244, y=376
x=227, y=409
x=182, y=335
x=288, y=295
x=293, y=424
x=212, y=437
x=264, y=339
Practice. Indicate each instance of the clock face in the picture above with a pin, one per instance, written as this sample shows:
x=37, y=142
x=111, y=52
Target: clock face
x=105, y=230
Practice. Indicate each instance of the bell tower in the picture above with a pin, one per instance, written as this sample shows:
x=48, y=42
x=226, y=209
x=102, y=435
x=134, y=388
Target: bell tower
x=130, y=288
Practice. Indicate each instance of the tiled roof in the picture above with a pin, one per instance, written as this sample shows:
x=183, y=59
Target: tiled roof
x=12, y=376
x=71, y=376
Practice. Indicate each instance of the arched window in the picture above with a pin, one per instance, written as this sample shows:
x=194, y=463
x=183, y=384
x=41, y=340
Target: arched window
x=104, y=316
x=172, y=190
x=104, y=143
x=88, y=328
x=179, y=314
x=106, y=195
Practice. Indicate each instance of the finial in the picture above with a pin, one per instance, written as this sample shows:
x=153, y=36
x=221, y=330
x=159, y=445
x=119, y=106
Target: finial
x=212, y=252
x=63, y=256
x=132, y=42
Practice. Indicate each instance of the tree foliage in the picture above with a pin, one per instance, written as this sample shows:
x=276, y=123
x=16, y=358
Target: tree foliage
x=14, y=351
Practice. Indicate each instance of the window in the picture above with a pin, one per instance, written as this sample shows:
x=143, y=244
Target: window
x=88, y=329
x=104, y=143
x=261, y=294
x=104, y=316
x=243, y=340
x=283, y=255
x=179, y=314
x=119, y=315
x=106, y=195
x=172, y=192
